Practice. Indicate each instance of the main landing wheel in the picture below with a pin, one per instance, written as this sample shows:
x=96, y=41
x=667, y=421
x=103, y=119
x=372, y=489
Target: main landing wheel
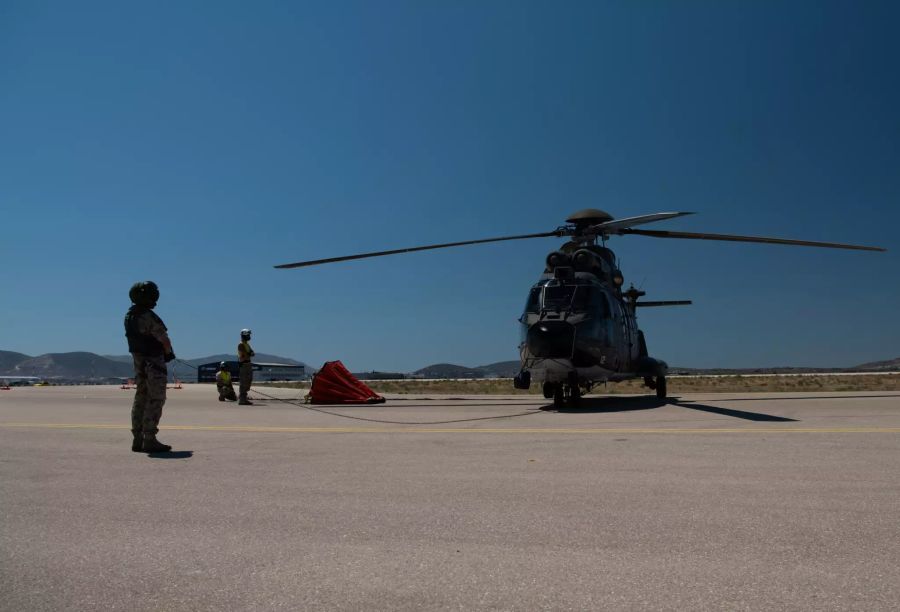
x=559, y=396
x=661, y=387
x=549, y=389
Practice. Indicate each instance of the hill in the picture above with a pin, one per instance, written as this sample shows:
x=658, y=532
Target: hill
x=84, y=366
x=119, y=358
x=501, y=369
x=880, y=366
x=448, y=370
x=260, y=358
x=9, y=360
x=76, y=365
x=508, y=369
x=889, y=365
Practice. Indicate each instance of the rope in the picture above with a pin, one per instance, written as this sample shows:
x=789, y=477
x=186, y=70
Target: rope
x=387, y=422
x=294, y=402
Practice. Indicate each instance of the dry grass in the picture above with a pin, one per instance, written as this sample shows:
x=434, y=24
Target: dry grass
x=699, y=384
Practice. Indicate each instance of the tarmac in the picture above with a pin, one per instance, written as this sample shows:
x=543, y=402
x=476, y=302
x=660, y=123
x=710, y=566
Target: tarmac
x=763, y=501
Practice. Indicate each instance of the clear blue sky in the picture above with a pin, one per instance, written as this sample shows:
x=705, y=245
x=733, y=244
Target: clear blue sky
x=197, y=144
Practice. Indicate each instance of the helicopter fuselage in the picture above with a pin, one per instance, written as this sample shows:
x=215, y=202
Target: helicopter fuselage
x=577, y=330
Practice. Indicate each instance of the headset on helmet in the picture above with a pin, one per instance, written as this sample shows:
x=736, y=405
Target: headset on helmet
x=144, y=293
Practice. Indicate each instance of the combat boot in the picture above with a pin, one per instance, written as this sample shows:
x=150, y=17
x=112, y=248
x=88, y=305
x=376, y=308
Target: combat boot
x=152, y=445
x=137, y=443
x=244, y=402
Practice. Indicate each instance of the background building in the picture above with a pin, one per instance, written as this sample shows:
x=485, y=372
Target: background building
x=261, y=371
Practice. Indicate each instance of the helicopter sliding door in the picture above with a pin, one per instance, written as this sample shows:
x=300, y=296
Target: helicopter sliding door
x=623, y=327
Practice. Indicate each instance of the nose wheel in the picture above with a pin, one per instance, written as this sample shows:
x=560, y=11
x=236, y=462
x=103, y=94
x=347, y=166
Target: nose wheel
x=563, y=394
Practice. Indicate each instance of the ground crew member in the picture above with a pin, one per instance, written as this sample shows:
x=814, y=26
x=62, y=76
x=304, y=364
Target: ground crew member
x=223, y=384
x=245, y=353
x=151, y=349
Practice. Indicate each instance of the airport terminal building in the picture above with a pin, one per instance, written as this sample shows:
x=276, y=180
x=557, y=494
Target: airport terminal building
x=261, y=371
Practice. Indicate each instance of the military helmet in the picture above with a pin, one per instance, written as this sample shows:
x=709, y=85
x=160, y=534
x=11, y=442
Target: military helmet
x=245, y=333
x=144, y=293
x=221, y=365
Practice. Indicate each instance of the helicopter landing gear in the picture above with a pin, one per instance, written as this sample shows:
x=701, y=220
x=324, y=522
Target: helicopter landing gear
x=574, y=395
x=522, y=380
x=559, y=396
x=573, y=390
x=661, y=387
x=549, y=390
x=563, y=394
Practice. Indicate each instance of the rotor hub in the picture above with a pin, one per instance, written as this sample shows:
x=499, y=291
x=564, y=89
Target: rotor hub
x=588, y=217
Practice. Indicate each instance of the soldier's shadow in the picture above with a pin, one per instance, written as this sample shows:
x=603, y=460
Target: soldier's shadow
x=185, y=454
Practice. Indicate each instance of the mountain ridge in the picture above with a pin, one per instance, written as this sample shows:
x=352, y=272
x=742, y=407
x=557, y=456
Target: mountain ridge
x=260, y=358
x=83, y=365
x=508, y=369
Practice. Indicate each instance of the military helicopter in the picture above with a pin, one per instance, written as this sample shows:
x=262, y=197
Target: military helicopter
x=579, y=327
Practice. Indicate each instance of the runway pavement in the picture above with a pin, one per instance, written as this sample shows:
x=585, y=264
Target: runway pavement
x=706, y=502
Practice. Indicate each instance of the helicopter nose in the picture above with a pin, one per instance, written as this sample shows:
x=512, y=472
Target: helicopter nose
x=551, y=340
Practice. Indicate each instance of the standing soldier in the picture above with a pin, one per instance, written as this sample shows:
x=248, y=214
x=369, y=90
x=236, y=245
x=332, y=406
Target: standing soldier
x=149, y=345
x=223, y=384
x=245, y=353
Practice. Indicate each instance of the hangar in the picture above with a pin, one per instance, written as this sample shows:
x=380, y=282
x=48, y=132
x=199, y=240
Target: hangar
x=261, y=371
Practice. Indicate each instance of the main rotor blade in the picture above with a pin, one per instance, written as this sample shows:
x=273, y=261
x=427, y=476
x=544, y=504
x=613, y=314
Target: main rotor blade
x=730, y=238
x=316, y=262
x=665, y=303
x=613, y=227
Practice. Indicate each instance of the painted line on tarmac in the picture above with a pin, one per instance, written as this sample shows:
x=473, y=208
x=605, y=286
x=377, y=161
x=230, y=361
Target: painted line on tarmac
x=507, y=430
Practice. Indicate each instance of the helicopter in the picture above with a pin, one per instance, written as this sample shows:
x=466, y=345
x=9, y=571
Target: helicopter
x=579, y=327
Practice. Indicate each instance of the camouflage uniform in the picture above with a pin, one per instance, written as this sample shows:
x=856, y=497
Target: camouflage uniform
x=149, y=370
x=246, y=370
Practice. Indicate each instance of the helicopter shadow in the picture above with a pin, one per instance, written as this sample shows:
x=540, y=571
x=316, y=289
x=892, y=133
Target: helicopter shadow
x=738, y=414
x=608, y=404
x=627, y=404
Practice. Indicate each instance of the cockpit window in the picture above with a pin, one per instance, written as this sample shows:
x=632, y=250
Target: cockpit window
x=583, y=299
x=558, y=297
x=533, y=305
x=590, y=299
